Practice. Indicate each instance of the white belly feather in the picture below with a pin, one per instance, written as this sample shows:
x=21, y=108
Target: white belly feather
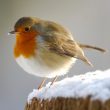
x=37, y=67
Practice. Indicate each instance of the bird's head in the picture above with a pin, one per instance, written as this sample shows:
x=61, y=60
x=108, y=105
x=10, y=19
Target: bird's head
x=25, y=28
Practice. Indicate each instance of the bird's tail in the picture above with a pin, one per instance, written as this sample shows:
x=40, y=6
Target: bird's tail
x=84, y=46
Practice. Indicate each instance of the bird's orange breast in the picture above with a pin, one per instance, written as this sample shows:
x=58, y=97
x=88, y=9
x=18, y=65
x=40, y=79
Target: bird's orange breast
x=25, y=44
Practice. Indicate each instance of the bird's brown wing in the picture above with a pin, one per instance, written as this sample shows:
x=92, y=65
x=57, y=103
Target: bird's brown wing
x=64, y=46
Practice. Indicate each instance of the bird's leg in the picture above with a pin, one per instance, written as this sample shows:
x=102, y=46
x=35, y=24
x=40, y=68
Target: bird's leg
x=53, y=81
x=41, y=84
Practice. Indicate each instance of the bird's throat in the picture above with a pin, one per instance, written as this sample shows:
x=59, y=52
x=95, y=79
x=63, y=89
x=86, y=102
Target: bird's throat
x=25, y=45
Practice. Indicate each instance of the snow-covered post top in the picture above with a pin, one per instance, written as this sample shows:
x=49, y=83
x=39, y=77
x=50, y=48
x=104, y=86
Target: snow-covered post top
x=83, y=91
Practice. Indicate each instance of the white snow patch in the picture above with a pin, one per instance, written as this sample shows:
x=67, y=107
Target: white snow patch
x=96, y=84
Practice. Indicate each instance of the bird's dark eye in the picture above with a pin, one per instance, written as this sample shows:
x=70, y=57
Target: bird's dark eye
x=26, y=29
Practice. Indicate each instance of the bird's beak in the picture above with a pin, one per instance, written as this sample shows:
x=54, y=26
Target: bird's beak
x=12, y=32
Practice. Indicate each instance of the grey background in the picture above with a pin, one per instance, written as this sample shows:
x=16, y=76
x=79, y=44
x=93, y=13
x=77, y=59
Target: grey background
x=87, y=19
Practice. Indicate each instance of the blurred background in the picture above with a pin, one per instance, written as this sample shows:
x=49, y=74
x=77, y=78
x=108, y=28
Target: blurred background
x=89, y=22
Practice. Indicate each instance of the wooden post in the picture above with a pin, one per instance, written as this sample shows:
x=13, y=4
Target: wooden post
x=84, y=92
x=61, y=103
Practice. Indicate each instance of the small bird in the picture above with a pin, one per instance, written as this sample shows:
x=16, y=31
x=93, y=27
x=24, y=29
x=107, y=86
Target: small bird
x=46, y=49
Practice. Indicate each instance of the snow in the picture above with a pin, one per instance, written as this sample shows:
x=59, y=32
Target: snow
x=96, y=84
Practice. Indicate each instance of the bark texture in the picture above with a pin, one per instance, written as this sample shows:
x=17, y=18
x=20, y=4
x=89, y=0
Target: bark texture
x=61, y=103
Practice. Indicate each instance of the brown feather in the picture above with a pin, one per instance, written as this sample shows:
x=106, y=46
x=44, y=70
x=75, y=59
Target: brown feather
x=84, y=46
x=65, y=47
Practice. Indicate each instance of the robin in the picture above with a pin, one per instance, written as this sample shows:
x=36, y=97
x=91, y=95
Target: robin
x=46, y=49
